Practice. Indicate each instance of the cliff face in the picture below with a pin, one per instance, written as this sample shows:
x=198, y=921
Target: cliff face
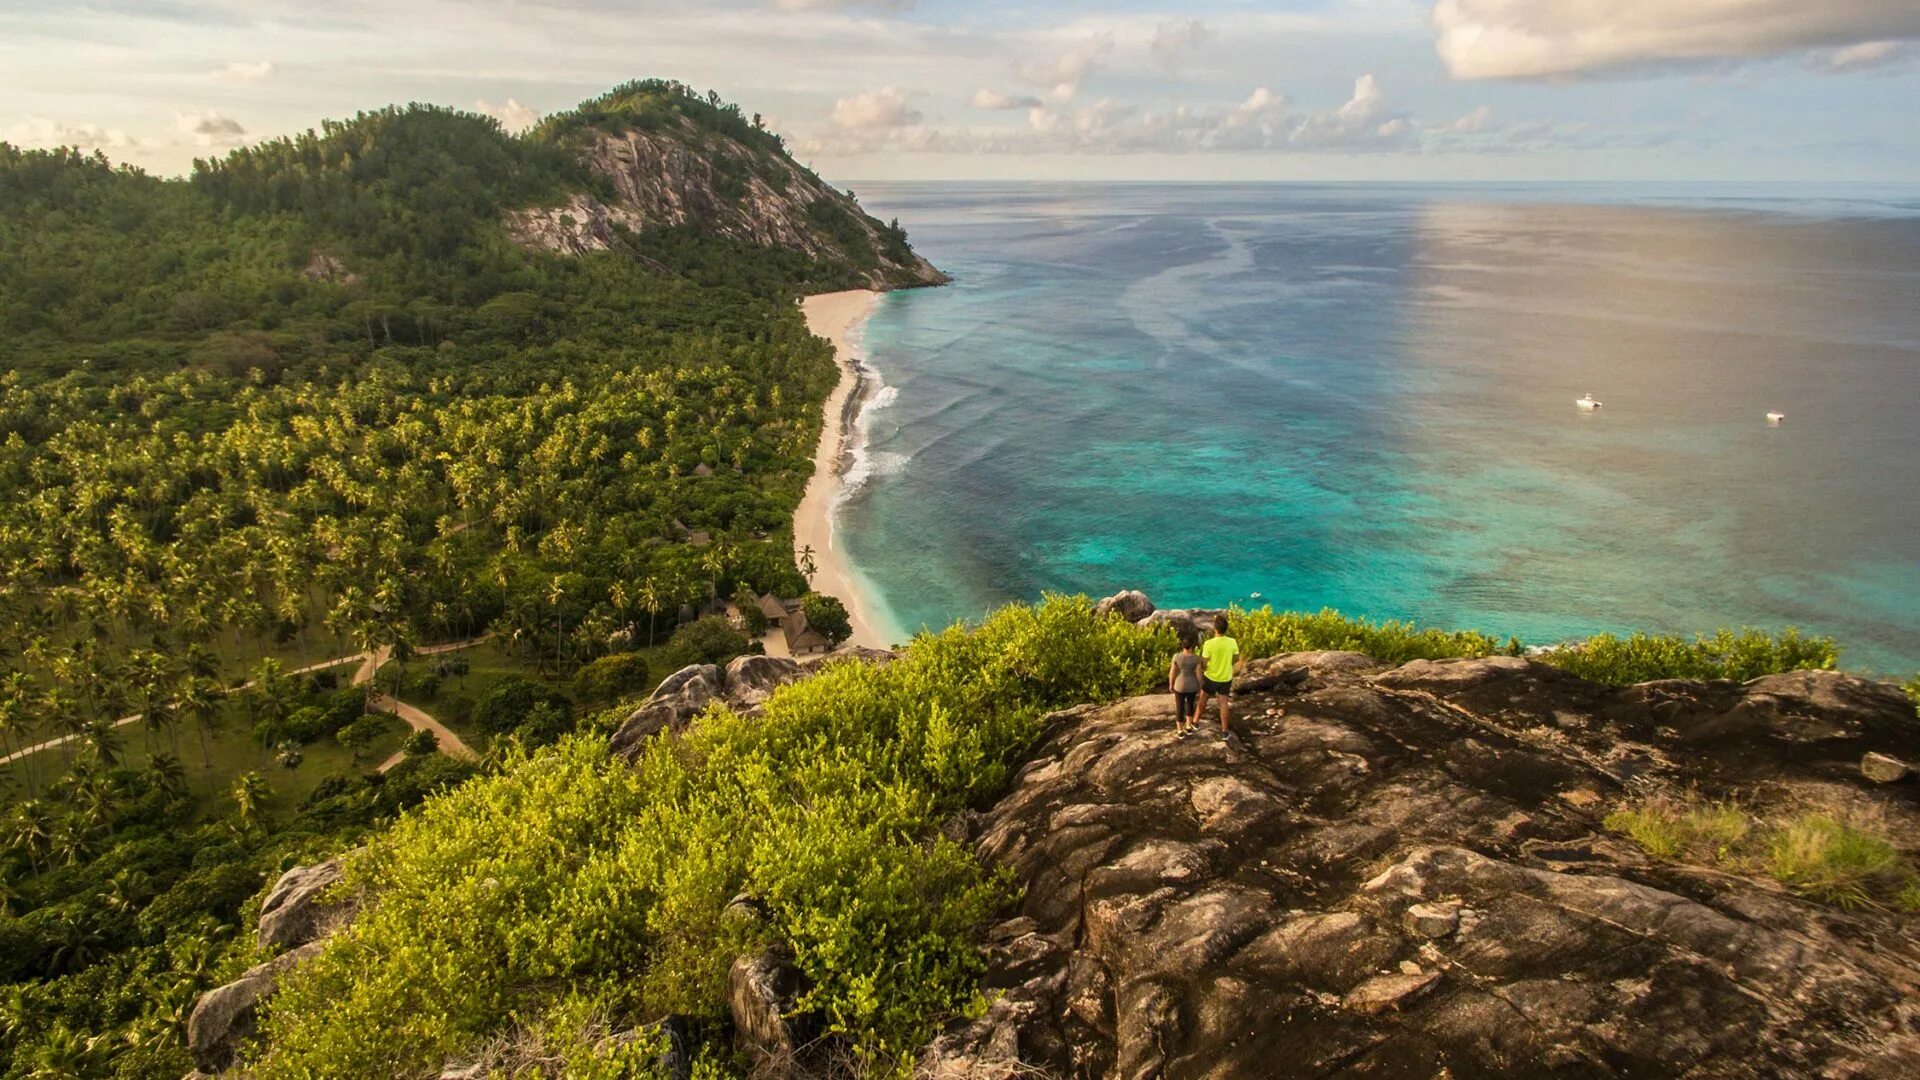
x=679, y=176
x=1405, y=872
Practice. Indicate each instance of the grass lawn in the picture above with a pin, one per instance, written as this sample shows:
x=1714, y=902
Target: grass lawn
x=232, y=752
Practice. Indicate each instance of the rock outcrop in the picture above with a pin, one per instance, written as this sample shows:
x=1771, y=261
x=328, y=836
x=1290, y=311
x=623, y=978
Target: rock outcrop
x=1403, y=872
x=678, y=175
x=744, y=685
x=294, y=913
x=223, y=1017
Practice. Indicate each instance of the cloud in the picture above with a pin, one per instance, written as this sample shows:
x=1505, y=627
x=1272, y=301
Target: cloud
x=1365, y=122
x=874, y=110
x=513, y=116
x=1177, y=39
x=1535, y=39
x=211, y=130
x=1473, y=123
x=241, y=72
x=1061, y=76
x=984, y=98
x=1865, y=56
x=1261, y=105
x=40, y=133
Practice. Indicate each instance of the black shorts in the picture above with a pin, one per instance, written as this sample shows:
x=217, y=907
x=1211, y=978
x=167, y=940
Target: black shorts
x=1224, y=689
x=1185, y=703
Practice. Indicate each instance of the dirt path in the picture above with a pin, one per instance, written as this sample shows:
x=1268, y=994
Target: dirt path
x=370, y=663
x=418, y=720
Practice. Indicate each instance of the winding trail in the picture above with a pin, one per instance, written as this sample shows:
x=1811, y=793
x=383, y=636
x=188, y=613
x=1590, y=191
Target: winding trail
x=370, y=663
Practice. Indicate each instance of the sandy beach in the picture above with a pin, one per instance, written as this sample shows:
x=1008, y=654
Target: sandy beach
x=838, y=317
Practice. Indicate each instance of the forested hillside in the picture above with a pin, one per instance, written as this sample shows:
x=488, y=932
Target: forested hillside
x=318, y=401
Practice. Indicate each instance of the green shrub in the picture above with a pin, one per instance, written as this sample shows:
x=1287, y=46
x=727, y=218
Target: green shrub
x=572, y=869
x=1834, y=860
x=1745, y=654
x=423, y=741
x=827, y=615
x=1669, y=828
x=1263, y=632
x=511, y=701
x=1913, y=691
x=709, y=640
x=611, y=677
x=1823, y=856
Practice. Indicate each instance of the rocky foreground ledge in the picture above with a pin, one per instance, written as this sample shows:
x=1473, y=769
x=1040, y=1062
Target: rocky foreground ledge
x=1402, y=872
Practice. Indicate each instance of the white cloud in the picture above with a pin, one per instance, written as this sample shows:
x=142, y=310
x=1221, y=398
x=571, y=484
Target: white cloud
x=240, y=72
x=1261, y=105
x=513, y=116
x=40, y=133
x=1473, y=123
x=1530, y=39
x=874, y=110
x=1177, y=39
x=984, y=98
x=1061, y=76
x=1864, y=57
x=1366, y=121
x=211, y=130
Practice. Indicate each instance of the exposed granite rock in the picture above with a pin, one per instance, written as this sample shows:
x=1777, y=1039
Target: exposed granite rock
x=293, y=914
x=224, y=1016
x=1130, y=604
x=744, y=685
x=750, y=679
x=1403, y=873
x=679, y=176
x=1883, y=768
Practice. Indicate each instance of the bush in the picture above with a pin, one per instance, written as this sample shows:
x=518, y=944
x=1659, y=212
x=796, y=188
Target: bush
x=1824, y=856
x=827, y=615
x=827, y=807
x=511, y=701
x=1742, y=655
x=421, y=742
x=409, y=783
x=1263, y=632
x=1835, y=861
x=363, y=732
x=710, y=640
x=216, y=891
x=611, y=677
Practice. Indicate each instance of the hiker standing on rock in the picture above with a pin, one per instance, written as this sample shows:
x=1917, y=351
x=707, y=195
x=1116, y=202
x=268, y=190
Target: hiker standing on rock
x=1183, y=681
x=1222, y=654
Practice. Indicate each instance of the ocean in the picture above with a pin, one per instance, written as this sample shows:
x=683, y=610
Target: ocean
x=1362, y=397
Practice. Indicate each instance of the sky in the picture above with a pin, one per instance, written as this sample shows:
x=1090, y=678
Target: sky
x=1046, y=89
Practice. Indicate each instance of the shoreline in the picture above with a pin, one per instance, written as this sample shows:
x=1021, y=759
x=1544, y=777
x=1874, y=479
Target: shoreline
x=839, y=317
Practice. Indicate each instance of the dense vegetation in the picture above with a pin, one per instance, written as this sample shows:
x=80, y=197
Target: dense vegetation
x=312, y=402
x=572, y=885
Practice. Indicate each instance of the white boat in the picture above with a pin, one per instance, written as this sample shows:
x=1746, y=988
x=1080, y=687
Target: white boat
x=1588, y=403
x=1776, y=417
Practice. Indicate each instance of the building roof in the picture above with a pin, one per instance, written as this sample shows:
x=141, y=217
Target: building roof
x=800, y=635
x=771, y=607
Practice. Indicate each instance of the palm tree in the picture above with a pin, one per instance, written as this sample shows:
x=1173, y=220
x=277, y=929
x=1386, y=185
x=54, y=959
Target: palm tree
x=250, y=793
x=29, y=829
x=808, y=567
x=200, y=698
x=104, y=739
x=650, y=597
x=168, y=774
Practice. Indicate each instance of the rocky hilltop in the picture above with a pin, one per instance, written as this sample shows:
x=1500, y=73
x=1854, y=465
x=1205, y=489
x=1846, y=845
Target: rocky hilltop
x=664, y=159
x=1404, y=872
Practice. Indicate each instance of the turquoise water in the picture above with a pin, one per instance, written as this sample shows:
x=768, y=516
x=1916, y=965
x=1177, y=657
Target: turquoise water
x=1362, y=397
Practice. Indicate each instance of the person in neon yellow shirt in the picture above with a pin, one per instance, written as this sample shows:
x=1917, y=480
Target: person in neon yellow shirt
x=1224, y=661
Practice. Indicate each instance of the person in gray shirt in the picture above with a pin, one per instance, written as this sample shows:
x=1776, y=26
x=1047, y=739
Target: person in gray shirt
x=1183, y=681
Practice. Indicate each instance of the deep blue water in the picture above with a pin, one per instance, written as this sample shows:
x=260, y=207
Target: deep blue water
x=1361, y=397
